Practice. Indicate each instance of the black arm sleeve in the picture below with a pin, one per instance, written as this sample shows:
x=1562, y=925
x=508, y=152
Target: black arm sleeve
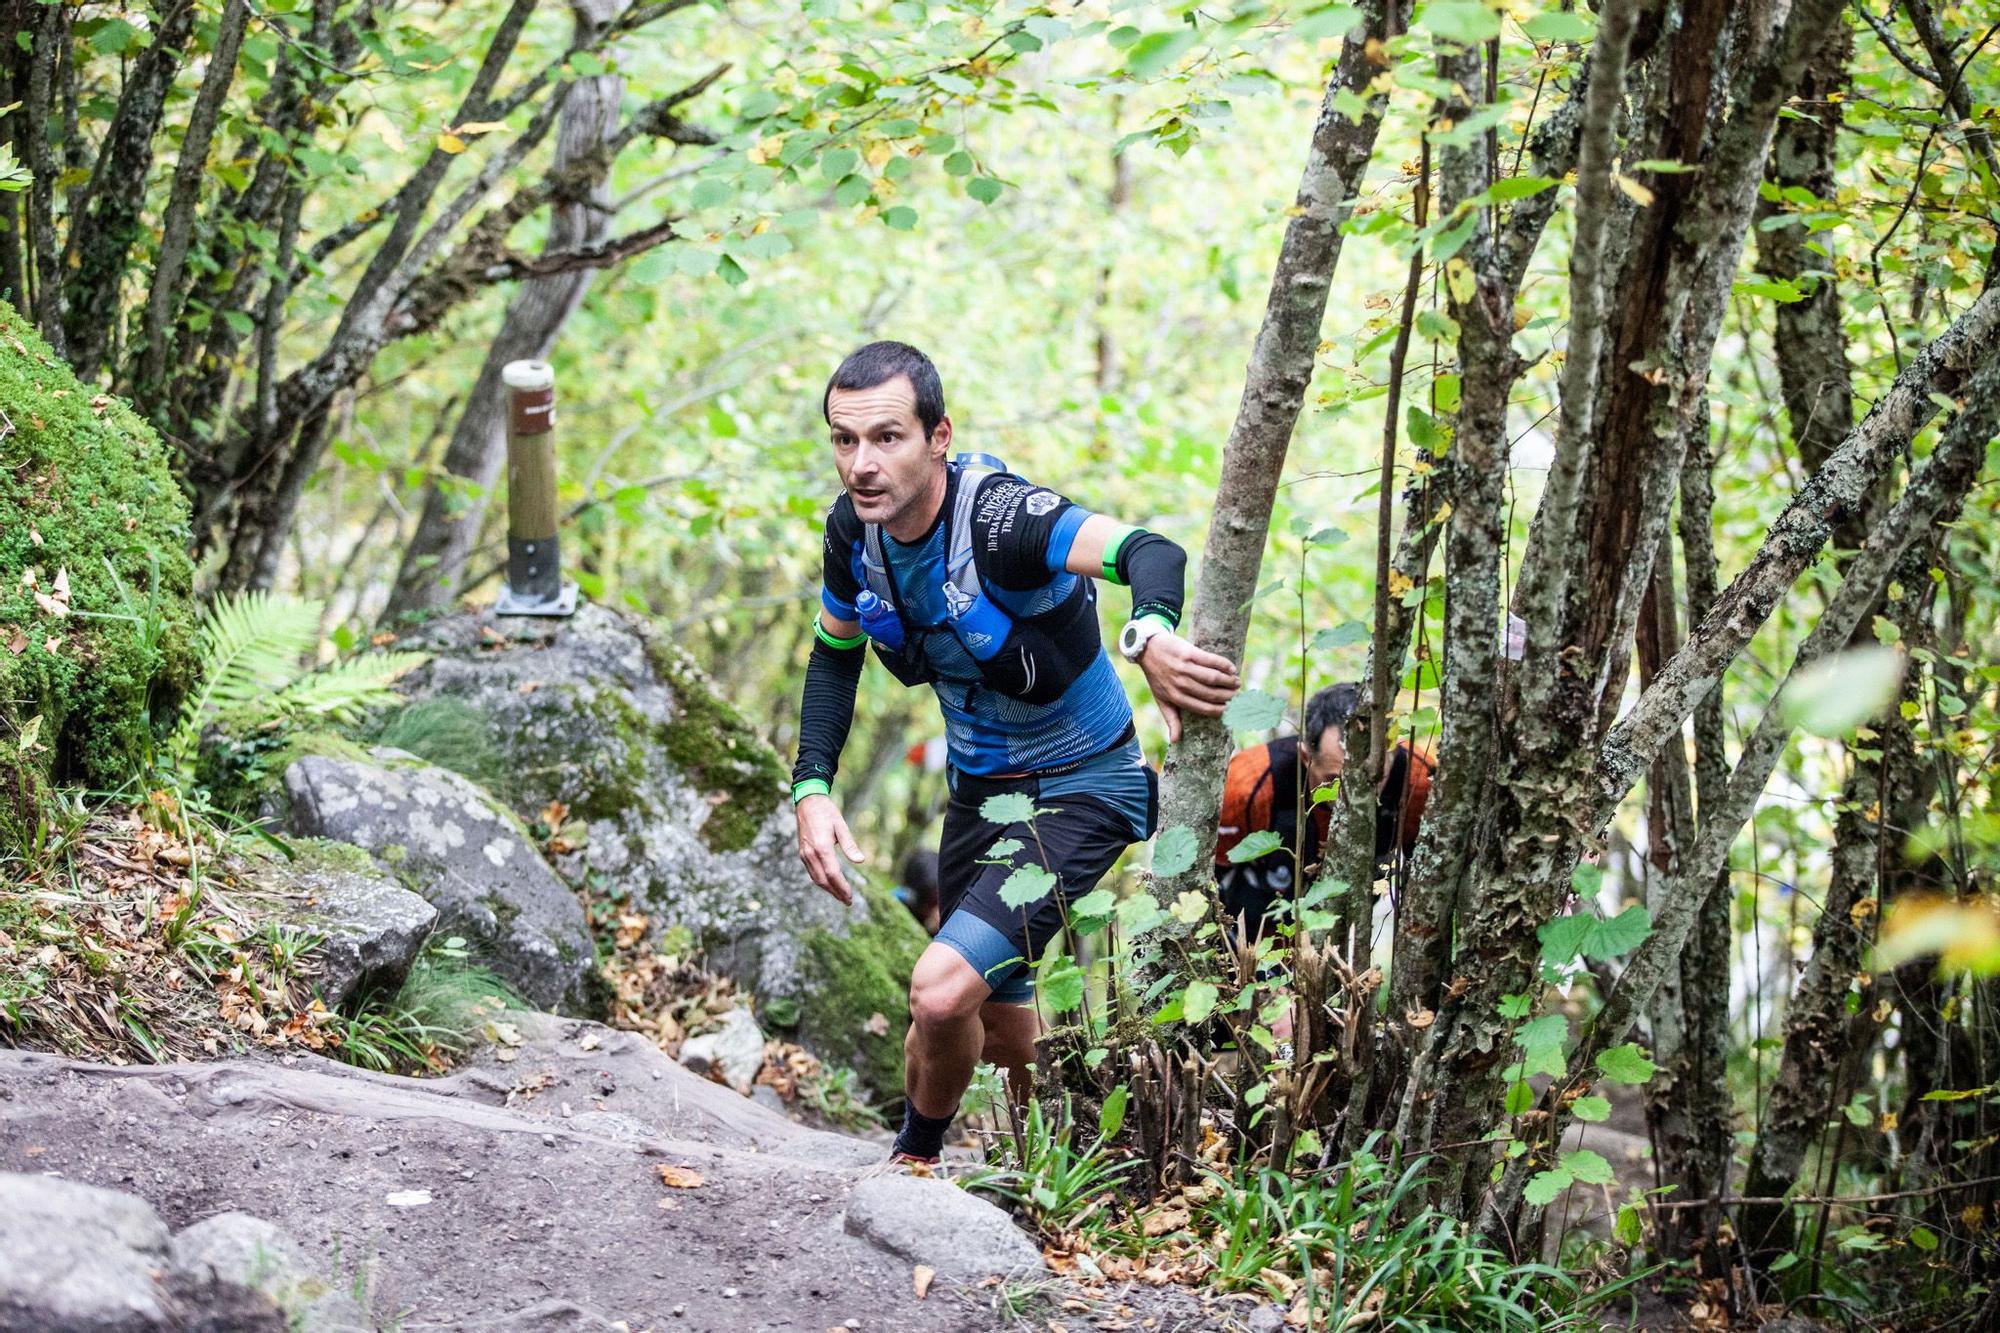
x=1012, y=526
x=1155, y=568
x=826, y=710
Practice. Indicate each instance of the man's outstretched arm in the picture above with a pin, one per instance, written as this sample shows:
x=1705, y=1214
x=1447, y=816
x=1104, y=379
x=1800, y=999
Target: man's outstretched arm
x=826, y=711
x=1183, y=677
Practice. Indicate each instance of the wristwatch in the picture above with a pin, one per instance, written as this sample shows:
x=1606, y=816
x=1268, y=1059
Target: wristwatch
x=1132, y=640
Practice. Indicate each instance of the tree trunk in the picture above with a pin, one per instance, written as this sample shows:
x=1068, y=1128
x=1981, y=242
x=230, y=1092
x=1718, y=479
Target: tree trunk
x=1281, y=365
x=100, y=241
x=433, y=563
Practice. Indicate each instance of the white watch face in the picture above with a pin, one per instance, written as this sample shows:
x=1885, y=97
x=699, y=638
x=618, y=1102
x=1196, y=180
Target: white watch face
x=1132, y=641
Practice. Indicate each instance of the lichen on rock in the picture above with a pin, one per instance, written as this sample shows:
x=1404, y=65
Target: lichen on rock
x=683, y=809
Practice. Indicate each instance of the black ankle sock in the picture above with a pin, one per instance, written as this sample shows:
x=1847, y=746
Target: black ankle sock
x=923, y=1135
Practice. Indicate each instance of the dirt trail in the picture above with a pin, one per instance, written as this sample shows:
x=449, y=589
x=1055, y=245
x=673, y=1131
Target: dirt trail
x=555, y=1196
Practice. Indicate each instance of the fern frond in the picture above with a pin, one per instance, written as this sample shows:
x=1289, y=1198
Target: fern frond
x=250, y=645
x=339, y=692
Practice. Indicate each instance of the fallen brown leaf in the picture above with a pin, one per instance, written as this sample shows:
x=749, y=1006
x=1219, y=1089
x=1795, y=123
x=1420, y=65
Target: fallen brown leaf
x=679, y=1177
x=924, y=1276
x=877, y=1025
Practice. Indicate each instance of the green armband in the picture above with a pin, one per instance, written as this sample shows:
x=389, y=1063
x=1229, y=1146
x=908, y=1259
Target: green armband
x=1111, y=549
x=810, y=787
x=834, y=640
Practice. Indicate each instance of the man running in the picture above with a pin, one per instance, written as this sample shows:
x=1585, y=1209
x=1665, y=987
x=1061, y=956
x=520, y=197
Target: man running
x=1268, y=785
x=981, y=585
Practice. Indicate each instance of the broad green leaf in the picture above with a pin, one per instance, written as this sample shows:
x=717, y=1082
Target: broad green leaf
x=1543, y=1187
x=1923, y=1238
x=958, y=164
x=1465, y=21
x=1628, y=1228
x=1111, y=1116
x=1326, y=21
x=1199, y=1001
x=1003, y=849
x=1520, y=1098
x=1548, y=1032
x=1189, y=908
x=1156, y=51
x=837, y=162
x=1139, y=914
x=1098, y=902
x=1622, y=933
x=1587, y=935
x=1060, y=986
x=902, y=217
x=1518, y=187
x=1515, y=1006
x=983, y=188
x=1775, y=289
x=1560, y=26
x=1838, y=693
x=1595, y=1110
x=1011, y=807
x=1253, y=710
x=1344, y=635
x=1625, y=1064
x=1588, y=1167
x=1261, y=843
x=1173, y=850
x=1028, y=884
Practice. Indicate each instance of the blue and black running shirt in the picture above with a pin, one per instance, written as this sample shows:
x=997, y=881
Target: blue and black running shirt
x=1021, y=537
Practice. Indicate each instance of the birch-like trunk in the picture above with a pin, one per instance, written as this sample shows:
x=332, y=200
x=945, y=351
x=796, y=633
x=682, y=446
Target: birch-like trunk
x=1274, y=388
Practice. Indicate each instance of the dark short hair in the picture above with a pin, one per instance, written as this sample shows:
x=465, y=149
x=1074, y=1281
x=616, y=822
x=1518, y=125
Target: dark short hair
x=1331, y=707
x=878, y=363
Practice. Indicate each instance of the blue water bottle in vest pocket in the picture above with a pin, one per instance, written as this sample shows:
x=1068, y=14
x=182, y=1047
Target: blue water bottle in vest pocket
x=879, y=619
x=980, y=625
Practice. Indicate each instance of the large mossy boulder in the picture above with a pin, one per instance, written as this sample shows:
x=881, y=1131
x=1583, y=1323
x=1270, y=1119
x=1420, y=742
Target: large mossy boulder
x=96, y=625
x=684, y=808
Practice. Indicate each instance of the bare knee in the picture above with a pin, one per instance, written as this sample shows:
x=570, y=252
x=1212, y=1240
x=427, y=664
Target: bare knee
x=940, y=996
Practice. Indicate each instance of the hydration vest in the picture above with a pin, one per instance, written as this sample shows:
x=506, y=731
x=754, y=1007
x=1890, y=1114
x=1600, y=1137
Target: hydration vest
x=1031, y=658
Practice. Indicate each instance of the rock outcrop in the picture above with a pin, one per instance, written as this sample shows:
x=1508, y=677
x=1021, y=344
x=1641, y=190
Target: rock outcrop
x=370, y=928
x=682, y=810
x=449, y=842
x=91, y=1260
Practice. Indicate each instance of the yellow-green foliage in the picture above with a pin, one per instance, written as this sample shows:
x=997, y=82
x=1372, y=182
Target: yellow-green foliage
x=85, y=489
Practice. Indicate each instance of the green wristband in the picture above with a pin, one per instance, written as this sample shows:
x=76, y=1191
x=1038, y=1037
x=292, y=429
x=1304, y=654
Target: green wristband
x=810, y=787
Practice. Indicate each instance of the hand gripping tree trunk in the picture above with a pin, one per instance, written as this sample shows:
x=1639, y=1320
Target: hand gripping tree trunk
x=455, y=504
x=1274, y=388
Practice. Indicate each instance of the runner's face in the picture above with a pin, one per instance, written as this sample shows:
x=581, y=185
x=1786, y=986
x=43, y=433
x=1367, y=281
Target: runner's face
x=890, y=470
x=1327, y=759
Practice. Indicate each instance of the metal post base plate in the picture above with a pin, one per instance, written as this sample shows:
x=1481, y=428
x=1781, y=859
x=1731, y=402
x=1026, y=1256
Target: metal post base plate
x=511, y=603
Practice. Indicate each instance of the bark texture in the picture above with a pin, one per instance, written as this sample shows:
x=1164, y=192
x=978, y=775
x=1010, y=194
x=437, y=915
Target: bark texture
x=1281, y=366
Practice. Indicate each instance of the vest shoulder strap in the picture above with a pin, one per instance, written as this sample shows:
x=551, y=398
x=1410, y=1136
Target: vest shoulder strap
x=961, y=569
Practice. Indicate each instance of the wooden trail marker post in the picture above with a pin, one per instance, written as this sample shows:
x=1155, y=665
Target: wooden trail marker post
x=535, y=585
